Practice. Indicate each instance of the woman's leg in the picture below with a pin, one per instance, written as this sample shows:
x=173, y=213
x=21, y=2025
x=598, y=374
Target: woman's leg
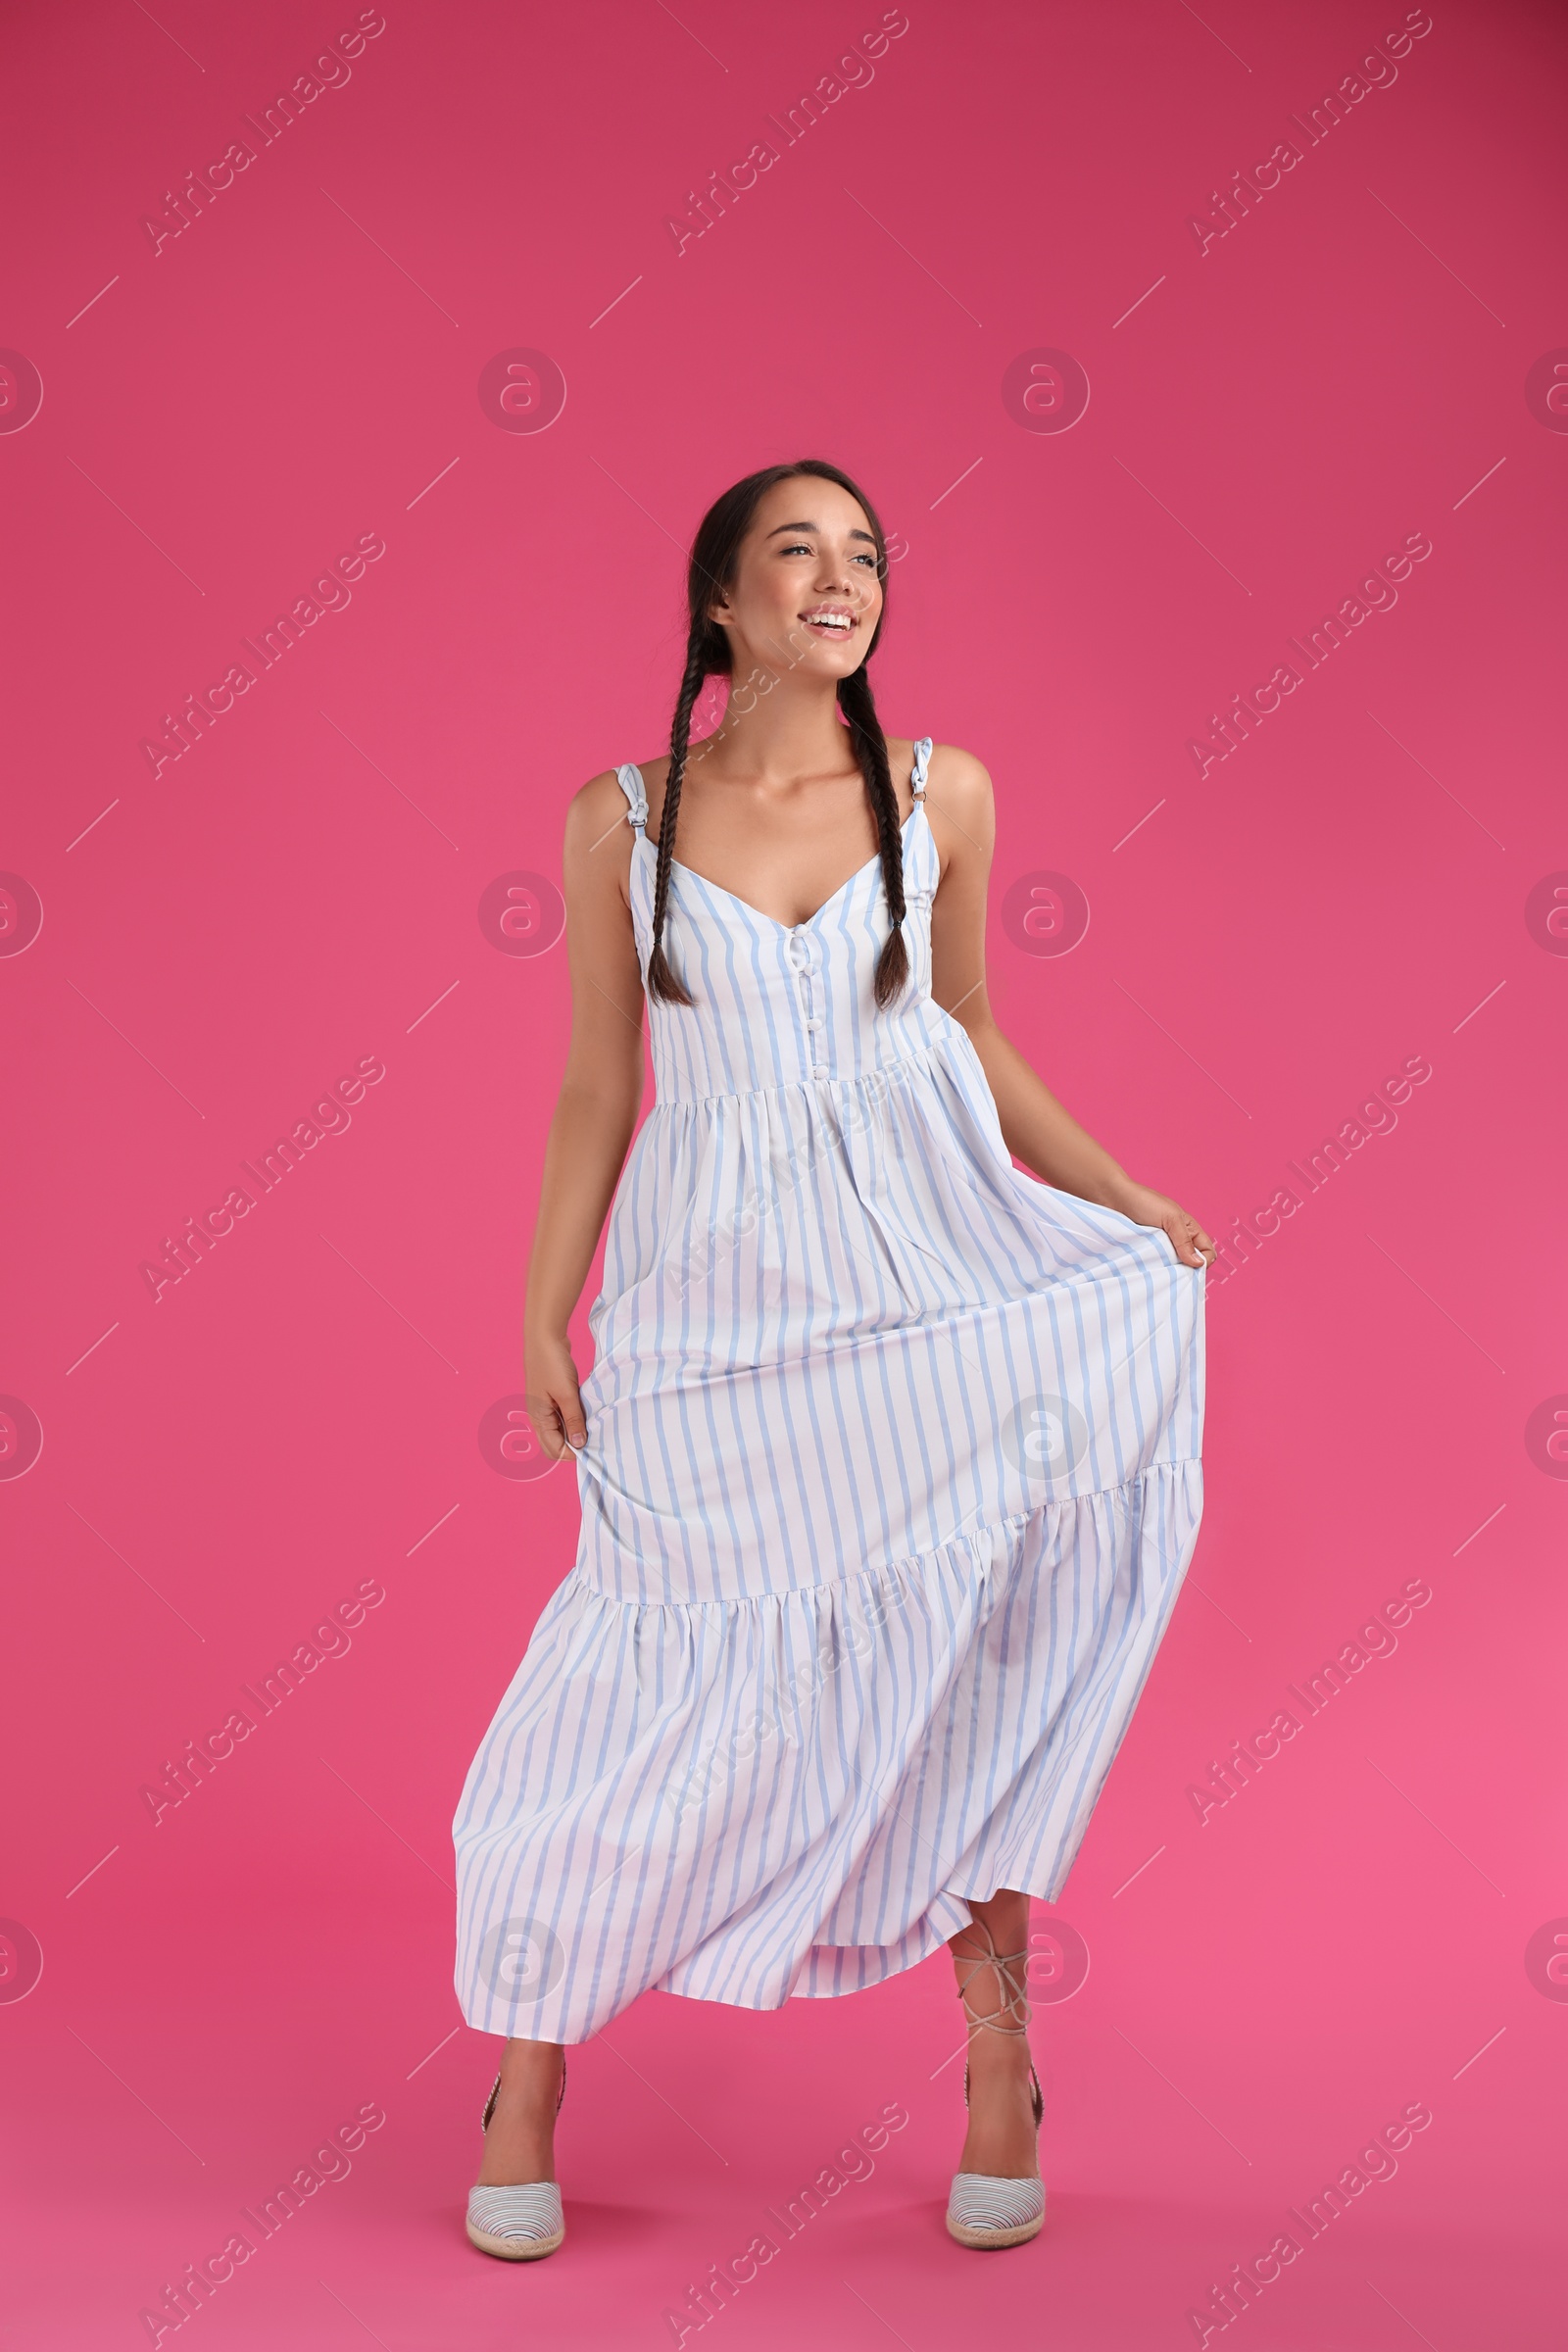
x=520, y=2142
x=1002, y=2138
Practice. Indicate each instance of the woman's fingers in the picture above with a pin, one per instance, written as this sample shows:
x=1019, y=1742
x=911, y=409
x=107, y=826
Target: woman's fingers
x=557, y=1419
x=1184, y=1233
x=1190, y=1241
x=568, y=1427
x=554, y=1399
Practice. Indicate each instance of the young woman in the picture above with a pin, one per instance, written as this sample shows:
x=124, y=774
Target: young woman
x=889, y=1456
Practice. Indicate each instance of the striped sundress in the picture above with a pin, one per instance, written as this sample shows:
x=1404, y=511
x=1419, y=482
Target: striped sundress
x=890, y=1479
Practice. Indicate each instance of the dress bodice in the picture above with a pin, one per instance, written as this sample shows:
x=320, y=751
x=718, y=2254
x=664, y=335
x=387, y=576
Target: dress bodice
x=777, y=1004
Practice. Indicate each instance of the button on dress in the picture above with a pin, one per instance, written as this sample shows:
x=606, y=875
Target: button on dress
x=891, y=1481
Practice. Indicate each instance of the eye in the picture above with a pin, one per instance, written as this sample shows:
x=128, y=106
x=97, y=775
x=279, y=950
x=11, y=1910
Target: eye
x=872, y=560
x=797, y=547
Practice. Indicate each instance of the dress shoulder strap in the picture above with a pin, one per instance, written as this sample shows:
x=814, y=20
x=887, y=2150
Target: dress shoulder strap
x=922, y=755
x=630, y=780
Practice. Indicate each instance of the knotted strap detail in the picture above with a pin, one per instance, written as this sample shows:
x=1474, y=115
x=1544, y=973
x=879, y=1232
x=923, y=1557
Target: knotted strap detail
x=1014, y=2004
x=630, y=780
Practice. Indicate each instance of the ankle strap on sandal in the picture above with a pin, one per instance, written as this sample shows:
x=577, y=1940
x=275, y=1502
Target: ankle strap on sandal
x=495, y=2093
x=1014, y=2004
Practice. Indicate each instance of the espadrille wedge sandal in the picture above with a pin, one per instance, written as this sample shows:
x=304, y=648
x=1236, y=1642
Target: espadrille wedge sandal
x=522, y=2223
x=986, y=2209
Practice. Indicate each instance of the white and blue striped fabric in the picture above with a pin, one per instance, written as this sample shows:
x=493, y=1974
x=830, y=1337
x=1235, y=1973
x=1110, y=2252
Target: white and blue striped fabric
x=989, y=2203
x=521, y=2218
x=891, y=1481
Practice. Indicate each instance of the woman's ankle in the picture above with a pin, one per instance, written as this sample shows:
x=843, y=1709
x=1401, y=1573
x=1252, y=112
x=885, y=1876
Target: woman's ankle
x=999, y=2056
x=531, y=2061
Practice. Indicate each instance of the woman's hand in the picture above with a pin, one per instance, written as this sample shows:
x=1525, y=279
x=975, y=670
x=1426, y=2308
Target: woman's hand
x=553, y=1402
x=1188, y=1237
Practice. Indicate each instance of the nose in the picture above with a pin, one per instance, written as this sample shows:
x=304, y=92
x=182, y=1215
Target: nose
x=837, y=577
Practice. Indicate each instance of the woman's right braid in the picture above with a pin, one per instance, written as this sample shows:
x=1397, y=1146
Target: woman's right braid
x=662, y=982
x=858, y=706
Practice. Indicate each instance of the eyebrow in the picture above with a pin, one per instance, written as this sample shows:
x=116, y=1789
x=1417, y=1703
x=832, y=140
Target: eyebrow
x=817, y=527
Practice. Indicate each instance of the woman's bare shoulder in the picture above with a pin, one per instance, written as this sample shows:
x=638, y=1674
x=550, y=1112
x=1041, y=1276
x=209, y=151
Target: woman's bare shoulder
x=597, y=803
x=963, y=780
x=596, y=822
x=961, y=804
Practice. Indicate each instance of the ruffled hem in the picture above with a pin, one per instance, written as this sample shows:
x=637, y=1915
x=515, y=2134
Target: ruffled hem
x=798, y=1794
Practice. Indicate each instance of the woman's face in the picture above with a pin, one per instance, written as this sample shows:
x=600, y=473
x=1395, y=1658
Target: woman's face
x=806, y=594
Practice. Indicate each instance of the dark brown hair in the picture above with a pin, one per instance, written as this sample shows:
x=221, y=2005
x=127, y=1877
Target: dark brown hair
x=711, y=568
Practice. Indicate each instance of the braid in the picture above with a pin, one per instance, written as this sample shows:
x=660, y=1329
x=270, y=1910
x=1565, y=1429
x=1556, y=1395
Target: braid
x=858, y=706
x=662, y=982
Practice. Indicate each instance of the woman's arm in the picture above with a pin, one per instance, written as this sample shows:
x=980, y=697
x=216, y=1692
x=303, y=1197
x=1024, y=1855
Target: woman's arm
x=596, y=1114
x=1035, y=1127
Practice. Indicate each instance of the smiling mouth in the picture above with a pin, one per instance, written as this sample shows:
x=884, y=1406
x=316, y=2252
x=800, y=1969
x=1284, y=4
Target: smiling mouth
x=830, y=623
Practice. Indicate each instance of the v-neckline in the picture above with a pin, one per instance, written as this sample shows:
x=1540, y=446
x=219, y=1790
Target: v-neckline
x=735, y=900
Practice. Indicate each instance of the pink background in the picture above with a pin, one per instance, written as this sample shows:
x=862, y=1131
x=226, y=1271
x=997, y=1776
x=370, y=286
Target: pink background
x=1268, y=943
